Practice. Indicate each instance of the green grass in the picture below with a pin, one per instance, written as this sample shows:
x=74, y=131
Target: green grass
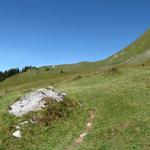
x=121, y=102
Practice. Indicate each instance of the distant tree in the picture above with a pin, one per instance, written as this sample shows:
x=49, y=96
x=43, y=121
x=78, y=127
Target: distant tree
x=26, y=68
x=47, y=69
x=1, y=76
x=61, y=71
x=14, y=71
x=34, y=68
x=9, y=73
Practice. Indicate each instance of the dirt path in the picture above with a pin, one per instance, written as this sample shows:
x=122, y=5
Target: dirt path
x=84, y=133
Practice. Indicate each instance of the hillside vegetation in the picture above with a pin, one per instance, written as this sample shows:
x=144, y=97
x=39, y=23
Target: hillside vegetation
x=118, y=94
x=136, y=53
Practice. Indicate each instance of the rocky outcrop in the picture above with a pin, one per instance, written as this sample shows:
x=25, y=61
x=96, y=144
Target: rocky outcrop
x=35, y=100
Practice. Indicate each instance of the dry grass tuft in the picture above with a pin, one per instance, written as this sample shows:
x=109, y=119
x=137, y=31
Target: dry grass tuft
x=55, y=110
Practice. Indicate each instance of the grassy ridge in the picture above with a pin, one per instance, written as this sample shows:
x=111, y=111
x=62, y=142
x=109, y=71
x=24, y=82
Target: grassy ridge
x=138, y=47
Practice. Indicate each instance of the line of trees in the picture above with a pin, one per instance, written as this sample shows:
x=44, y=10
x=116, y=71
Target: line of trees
x=13, y=71
x=26, y=68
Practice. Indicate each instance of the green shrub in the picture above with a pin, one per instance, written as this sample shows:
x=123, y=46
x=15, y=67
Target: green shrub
x=61, y=71
x=112, y=70
x=55, y=110
x=47, y=69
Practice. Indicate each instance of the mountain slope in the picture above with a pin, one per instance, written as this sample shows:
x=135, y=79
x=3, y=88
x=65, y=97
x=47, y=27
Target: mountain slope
x=137, y=52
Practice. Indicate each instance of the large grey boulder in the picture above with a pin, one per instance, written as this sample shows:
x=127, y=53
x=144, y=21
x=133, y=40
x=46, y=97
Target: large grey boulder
x=35, y=100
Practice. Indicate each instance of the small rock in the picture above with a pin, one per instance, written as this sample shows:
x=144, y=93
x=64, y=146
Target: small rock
x=17, y=134
x=18, y=127
x=89, y=125
x=23, y=123
x=82, y=135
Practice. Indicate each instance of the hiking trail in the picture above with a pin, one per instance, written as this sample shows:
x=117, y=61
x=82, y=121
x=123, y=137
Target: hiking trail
x=78, y=141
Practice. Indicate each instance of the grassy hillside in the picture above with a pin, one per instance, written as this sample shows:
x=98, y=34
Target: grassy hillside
x=119, y=97
x=121, y=104
x=136, y=53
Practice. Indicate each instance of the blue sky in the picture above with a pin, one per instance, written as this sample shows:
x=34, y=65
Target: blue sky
x=46, y=32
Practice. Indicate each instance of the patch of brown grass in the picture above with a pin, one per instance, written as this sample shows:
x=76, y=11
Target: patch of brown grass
x=55, y=110
x=111, y=70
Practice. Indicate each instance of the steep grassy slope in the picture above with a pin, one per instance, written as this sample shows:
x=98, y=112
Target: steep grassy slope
x=139, y=50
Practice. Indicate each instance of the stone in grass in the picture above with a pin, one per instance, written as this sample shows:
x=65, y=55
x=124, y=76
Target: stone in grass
x=17, y=134
x=83, y=135
x=23, y=123
x=18, y=127
x=34, y=101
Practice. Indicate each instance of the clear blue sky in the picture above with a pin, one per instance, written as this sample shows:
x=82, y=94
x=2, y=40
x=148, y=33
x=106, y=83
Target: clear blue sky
x=45, y=32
